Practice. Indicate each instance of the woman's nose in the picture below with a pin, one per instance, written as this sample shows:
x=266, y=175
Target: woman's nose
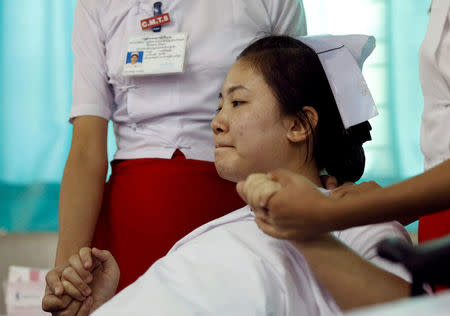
x=218, y=124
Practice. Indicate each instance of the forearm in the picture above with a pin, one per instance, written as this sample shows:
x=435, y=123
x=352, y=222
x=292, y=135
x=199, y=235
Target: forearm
x=421, y=195
x=350, y=279
x=80, y=202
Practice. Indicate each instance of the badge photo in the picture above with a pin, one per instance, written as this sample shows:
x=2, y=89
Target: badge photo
x=134, y=57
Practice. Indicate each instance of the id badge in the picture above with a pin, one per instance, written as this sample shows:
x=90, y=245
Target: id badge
x=155, y=54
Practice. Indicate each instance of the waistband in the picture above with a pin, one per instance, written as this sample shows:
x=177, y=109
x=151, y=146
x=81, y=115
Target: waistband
x=178, y=161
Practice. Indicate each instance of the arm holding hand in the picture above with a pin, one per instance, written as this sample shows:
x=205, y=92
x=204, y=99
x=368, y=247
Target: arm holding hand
x=82, y=186
x=299, y=211
x=80, y=197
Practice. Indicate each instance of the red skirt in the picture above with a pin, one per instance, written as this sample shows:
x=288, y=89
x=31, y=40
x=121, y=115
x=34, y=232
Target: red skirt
x=149, y=204
x=432, y=227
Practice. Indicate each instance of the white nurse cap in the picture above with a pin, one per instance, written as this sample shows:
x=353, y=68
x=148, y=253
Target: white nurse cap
x=342, y=58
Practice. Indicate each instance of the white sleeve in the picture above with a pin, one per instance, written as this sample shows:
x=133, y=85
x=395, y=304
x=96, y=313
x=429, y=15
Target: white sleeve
x=92, y=95
x=364, y=240
x=216, y=275
x=287, y=16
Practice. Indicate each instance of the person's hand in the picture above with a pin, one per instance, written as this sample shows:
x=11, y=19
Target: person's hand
x=329, y=182
x=92, y=272
x=294, y=209
x=258, y=188
x=349, y=189
x=58, y=303
x=91, y=279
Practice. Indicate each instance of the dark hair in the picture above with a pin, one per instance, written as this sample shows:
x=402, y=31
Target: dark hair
x=297, y=79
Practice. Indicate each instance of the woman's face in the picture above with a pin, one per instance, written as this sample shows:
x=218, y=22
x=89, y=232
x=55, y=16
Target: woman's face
x=249, y=128
x=134, y=59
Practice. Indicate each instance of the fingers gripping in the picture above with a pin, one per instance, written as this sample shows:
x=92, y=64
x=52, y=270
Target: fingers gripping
x=329, y=182
x=79, y=266
x=86, y=257
x=71, y=310
x=108, y=262
x=52, y=303
x=259, y=188
x=76, y=276
x=85, y=307
x=53, y=280
x=74, y=285
x=271, y=230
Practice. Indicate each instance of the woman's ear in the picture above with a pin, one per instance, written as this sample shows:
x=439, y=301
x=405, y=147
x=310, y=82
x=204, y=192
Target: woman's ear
x=299, y=131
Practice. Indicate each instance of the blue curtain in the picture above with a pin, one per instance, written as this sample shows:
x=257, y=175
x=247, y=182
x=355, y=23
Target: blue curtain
x=35, y=96
x=407, y=21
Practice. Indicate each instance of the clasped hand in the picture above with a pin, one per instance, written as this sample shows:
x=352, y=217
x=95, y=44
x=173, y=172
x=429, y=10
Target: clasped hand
x=87, y=281
x=289, y=206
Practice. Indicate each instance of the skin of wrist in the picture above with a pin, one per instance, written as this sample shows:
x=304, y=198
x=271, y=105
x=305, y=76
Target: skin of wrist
x=330, y=212
x=319, y=243
x=356, y=210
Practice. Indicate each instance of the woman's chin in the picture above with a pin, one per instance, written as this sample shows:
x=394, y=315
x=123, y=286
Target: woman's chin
x=228, y=173
x=228, y=176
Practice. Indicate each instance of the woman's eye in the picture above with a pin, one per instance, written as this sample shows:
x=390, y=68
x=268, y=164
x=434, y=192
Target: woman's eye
x=218, y=109
x=236, y=103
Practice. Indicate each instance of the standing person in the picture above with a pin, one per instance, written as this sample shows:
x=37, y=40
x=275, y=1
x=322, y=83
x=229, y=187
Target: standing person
x=303, y=218
x=163, y=180
x=434, y=67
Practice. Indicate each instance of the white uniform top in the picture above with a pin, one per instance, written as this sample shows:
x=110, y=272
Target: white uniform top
x=230, y=267
x=434, y=67
x=155, y=115
x=435, y=305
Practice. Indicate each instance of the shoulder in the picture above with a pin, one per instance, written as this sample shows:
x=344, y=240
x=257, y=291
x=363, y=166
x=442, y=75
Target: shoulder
x=104, y=9
x=102, y=4
x=232, y=243
x=238, y=238
x=365, y=238
x=92, y=6
x=217, y=269
x=235, y=268
x=284, y=8
x=235, y=234
x=281, y=4
x=254, y=267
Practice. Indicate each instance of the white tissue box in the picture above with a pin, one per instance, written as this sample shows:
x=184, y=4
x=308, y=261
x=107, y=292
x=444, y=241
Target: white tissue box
x=24, y=291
